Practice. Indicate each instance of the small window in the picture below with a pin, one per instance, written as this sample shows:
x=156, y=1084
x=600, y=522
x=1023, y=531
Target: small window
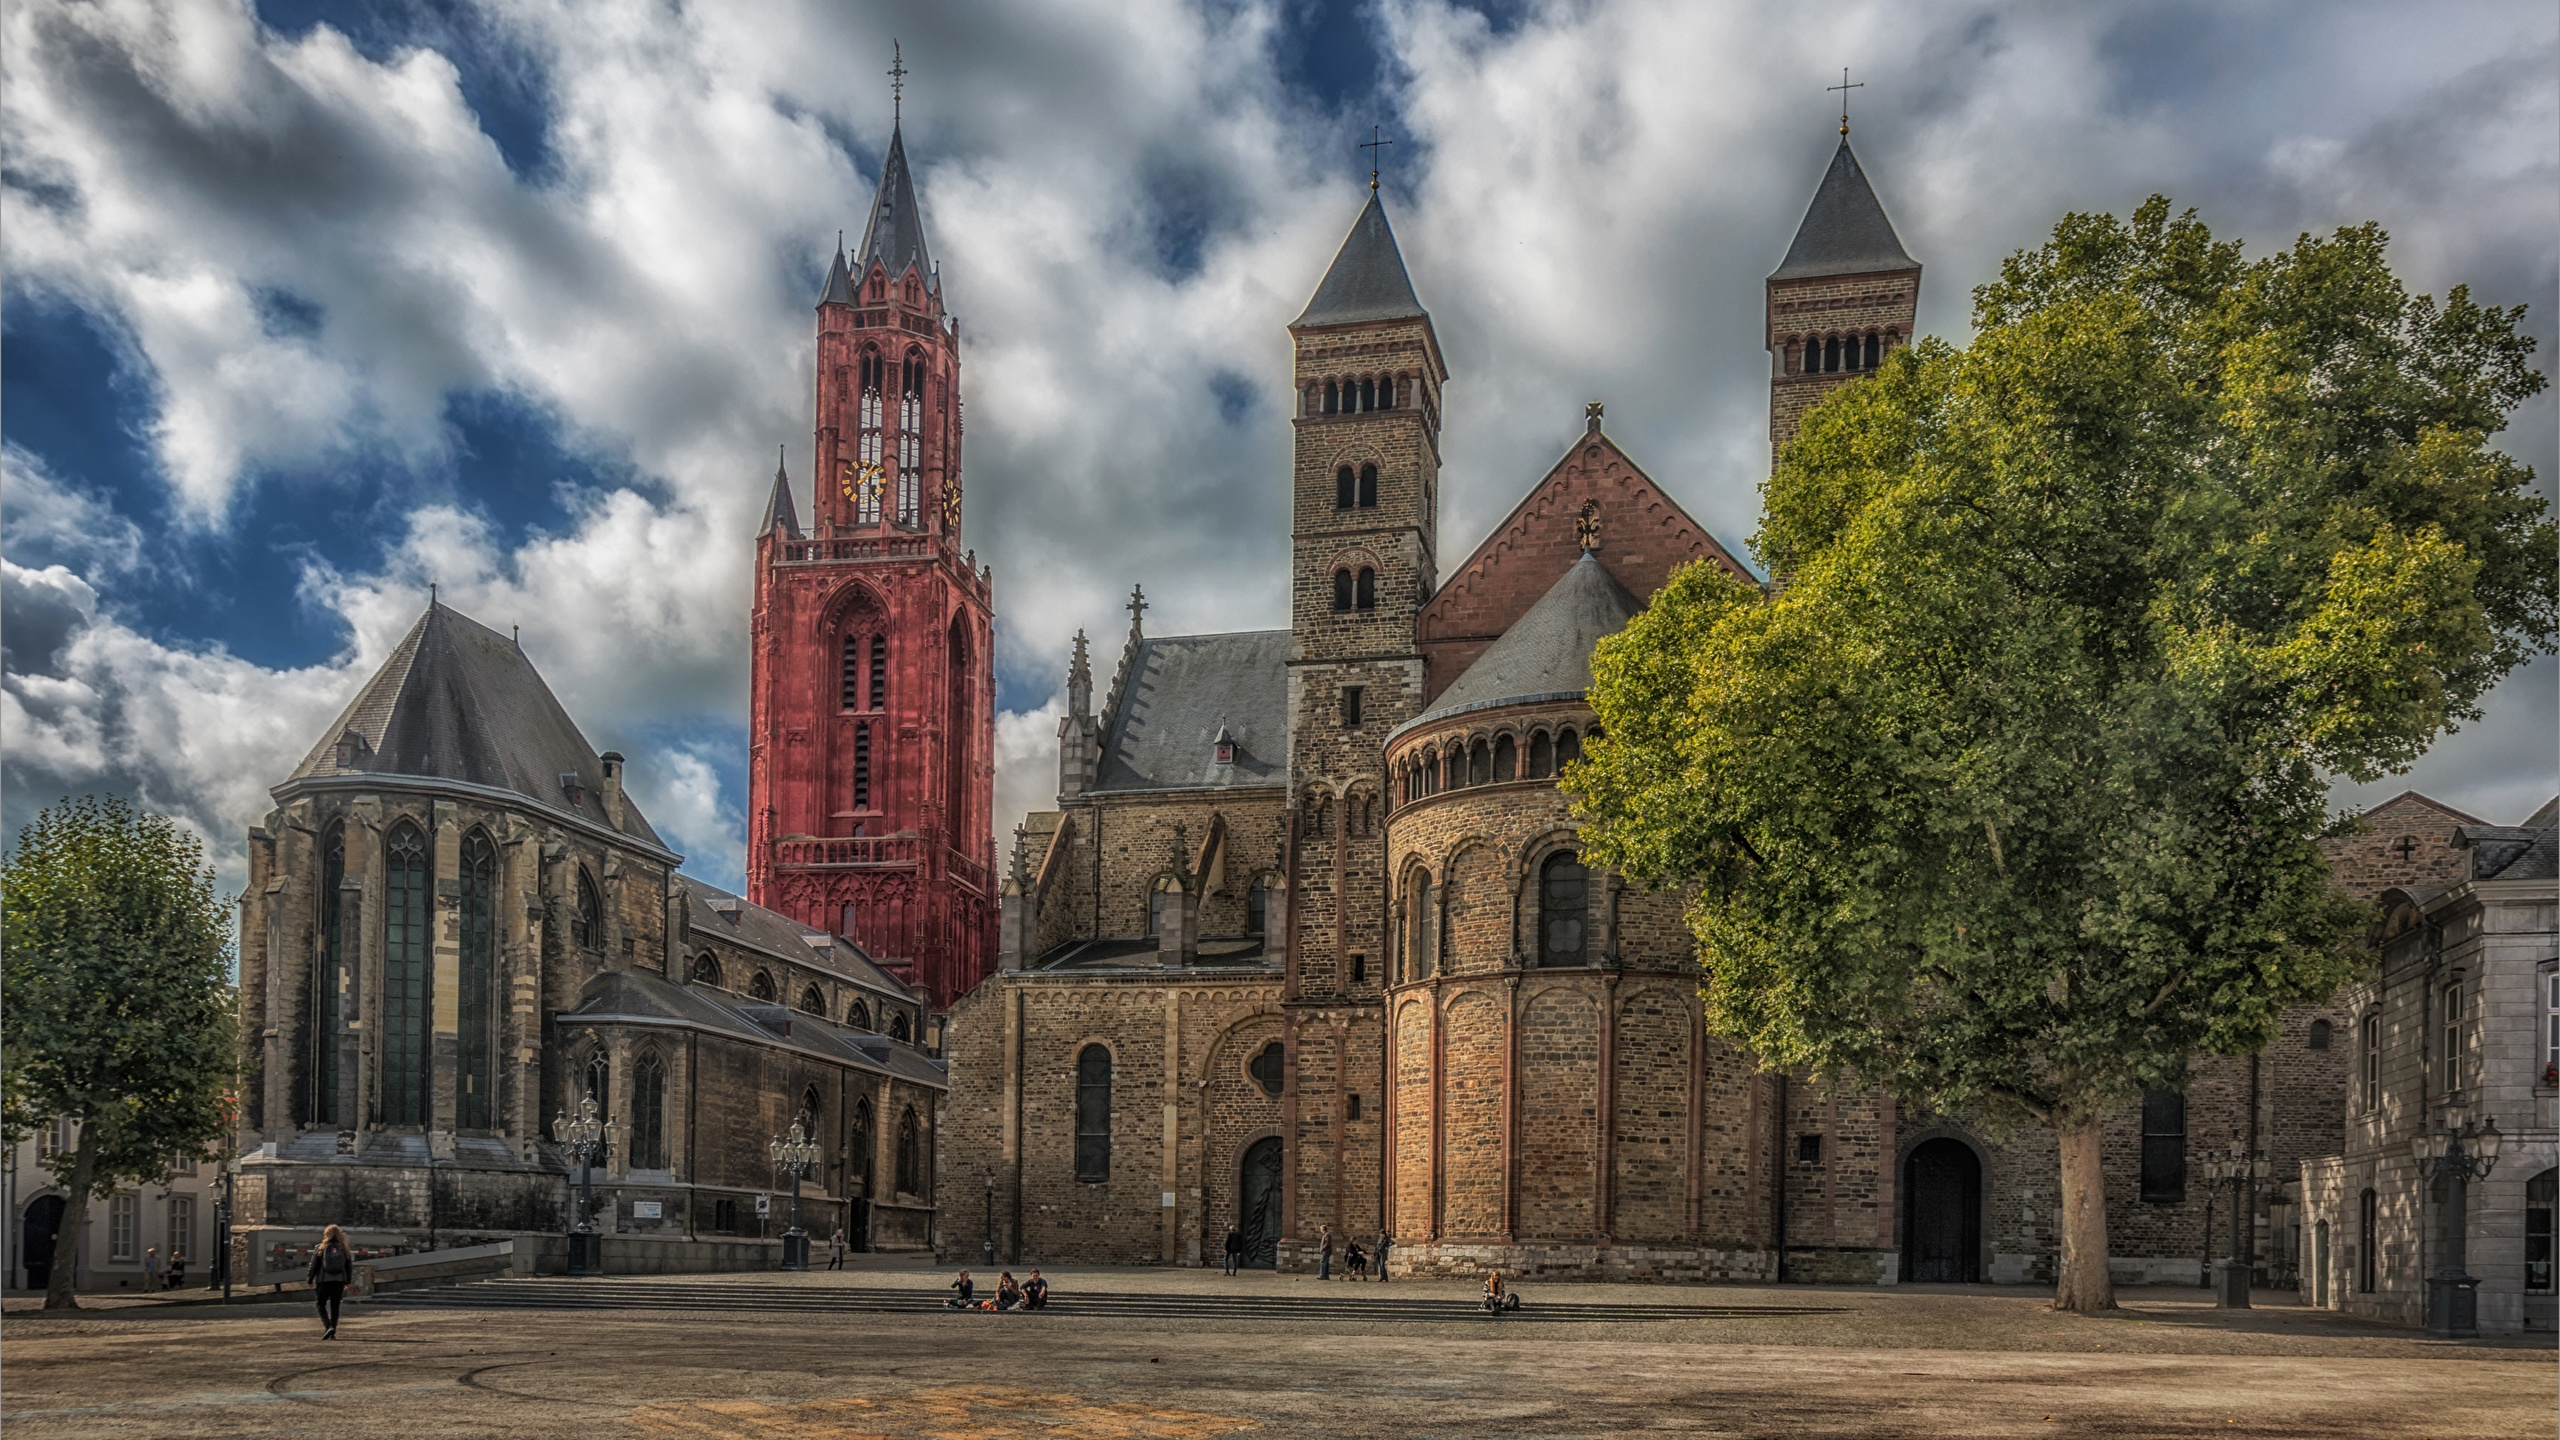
x=2164, y=1147
x=1342, y=589
x=1506, y=758
x=706, y=970
x=1344, y=487
x=858, y=1016
x=2371, y=1030
x=812, y=1003
x=852, y=672
x=1479, y=764
x=1564, y=889
x=2541, y=1196
x=1257, y=910
x=1093, y=1114
x=1365, y=589
x=811, y=1106
x=761, y=989
x=1268, y=1067
x=1809, y=1149
x=586, y=924
x=1351, y=707
x=1542, y=756
x=1368, y=392
x=2319, y=1034
x=1568, y=750
x=724, y=1217
x=898, y=1026
x=2551, y=1018
x=124, y=1215
x=1359, y=969
x=1332, y=397
x=1368, y=487
x=1351, y=1106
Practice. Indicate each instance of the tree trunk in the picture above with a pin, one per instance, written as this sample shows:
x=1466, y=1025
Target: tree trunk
x=2085, y=1286
x=75, y=1221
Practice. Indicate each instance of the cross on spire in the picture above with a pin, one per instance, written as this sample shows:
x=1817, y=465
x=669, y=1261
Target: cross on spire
x=1137, y=606
x=898, y=79
x=1844, y=87
x=1373, y=145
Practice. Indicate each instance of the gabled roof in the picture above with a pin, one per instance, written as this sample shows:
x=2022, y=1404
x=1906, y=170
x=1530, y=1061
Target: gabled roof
x=1547, y=652
x=458, y=701
x=1845, y=231
x=714, y=913
x=1368, y=280
x=778, y=509
x=1180, y=689
x=648, y=998
x=894, y=236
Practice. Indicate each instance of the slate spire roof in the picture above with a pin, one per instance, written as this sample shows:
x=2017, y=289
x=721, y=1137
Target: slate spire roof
x=895, y=234
x=1845, y=231
x=1368, y=280
x=778, y=509
x=1547, y=651
x=457, y=701
x=839, y=287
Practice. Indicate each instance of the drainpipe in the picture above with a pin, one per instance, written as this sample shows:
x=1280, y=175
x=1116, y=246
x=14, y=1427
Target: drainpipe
x=1778, y=1172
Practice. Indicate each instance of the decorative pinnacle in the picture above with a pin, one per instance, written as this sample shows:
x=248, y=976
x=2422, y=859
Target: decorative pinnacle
x=1137, y=607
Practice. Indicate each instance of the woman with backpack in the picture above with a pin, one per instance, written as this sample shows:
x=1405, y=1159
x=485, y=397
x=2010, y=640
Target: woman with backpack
x=332, y=1266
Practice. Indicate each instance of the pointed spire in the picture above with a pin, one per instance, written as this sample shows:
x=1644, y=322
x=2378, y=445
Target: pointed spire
x=1845, y=231
x=1368, y=280
x=839, y=288
x=778, y=509
x=894, y=235
x=1080, y=680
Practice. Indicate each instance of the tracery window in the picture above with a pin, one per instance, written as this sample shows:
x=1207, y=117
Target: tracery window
x=866, y=505
x=859, y=1016
x=408, y=976
x=474, y=1044
x=706, y=969
x=760, y=989
x=1093, y=1113
x=898, y=1026
x=328, y=979
x=811, y=1002
x=586, y=921
x=910, y=1154
x=649, y=1113
x=860, y=1143
x=911, y=440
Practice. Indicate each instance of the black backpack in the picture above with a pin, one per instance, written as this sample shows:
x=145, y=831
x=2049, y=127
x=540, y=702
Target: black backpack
x=333, y=1263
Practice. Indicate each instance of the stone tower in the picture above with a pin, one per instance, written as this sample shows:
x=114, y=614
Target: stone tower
x=872, y=737
x=1843, y=299
x=1364, y=539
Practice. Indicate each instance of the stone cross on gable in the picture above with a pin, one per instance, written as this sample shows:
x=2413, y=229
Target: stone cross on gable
x=2407, y=847
x=1137, y=607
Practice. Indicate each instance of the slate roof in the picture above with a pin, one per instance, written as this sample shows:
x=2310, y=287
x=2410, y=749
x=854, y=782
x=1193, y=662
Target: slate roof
x=458, y=701
x=1368, y=280
x=743, y=922
x=646, y=997
x=894, y=236
x=1140, y=952
x=778, y=509
x=2511, y=852
x=839, y=286
x=1547, y=651
x=1845, y=231
x=1179, y=691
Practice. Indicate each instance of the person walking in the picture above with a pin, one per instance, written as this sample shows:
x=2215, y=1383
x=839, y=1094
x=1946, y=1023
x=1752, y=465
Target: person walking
x=835, y=1249
x=151, y=1267
x=333, y=1264
x=1235, y=1248
x=1324, y=1252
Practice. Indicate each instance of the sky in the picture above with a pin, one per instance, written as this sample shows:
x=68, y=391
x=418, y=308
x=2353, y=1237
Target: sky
x=305, y=307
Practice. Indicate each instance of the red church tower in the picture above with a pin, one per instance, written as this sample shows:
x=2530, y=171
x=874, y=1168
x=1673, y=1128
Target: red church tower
x=871, y=766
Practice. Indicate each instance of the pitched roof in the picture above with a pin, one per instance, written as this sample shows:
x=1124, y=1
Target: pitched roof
x=714, y=913
x=778, y=509
x=458, y=701
x=644, y=996
x=1845, y=231
x=894, y=235
x=839, y=287
x=1368, y=280
x=1179, y=691
x=1546, y=652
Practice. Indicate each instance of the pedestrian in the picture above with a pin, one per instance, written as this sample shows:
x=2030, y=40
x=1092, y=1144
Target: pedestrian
x=1035, y=1293
x=332, y=1266
x=1324, y=1252
x=177, y=1269
x=1235, y=1248
x=151, y=1267
x=1378, y=1253
x=835, y=1249
x=962, y=1290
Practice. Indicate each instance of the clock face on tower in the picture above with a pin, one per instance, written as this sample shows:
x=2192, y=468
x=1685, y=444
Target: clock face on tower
x=951, y=505
x=865, y=481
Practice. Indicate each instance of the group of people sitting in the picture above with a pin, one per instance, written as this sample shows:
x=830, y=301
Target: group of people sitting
x=1011, y=1294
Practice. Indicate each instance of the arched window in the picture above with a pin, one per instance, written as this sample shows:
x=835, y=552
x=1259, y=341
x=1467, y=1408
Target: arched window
x=408, y=975
x=1568, y=750
x=812, y=1003
x=910, y=1154
x=1365, y=589
x=1368, y=393
x=2319, y=1034
x=706, y=969
x=859, y=1144
x=898, y=1025
x=1386, y=392
x=960, y=734
x=475, y=1044
x=1342, y=589
x=858, y=1016
x=1093, y=1113
x=862, y=765
x=760, y=989
x=879, y=672
x=598, y=1082
x=1426, y=928
x=1479, y=764
x=586, y=921
x=911, y=439
x=1344, y=487
x=866, y=493
x=1368, y=487
x=1875, y=351
x=1564, y=910
x=1332, y=398
x=1506, y=759
x=320, y=1051
x=649, y=1113
x=1831, y=354
x=812, y=1105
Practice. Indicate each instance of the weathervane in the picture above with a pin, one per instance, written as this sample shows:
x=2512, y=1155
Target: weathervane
x=1844, y=87
x=898, y=78
x=1373, y=145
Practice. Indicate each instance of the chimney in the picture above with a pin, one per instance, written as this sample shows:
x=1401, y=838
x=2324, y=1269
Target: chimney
x=612, y=786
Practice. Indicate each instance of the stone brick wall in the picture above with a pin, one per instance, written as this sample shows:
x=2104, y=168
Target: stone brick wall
x=1819, y=307
x=1120, y=846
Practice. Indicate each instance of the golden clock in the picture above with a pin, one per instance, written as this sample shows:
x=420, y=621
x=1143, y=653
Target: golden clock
x=951, y=505
x=864, y=480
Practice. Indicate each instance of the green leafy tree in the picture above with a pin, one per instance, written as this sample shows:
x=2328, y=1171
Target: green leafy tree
x=114, y=959
x=2007, y=796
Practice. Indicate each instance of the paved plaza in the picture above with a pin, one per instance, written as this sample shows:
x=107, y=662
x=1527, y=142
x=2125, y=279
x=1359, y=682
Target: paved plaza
x=1142, y=1353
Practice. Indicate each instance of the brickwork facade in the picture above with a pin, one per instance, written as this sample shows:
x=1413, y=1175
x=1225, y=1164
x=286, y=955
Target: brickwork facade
x=1810, y=322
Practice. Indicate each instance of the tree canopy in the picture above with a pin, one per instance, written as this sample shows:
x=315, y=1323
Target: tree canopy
x=2006, y=795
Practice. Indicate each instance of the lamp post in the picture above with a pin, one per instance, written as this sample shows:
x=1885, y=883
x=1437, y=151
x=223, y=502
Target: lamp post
x=2460, y=1152
x=990, y=1247
x=2240, y=1173
x=583, y=1137
x=222, y=1255
x=795, y=1156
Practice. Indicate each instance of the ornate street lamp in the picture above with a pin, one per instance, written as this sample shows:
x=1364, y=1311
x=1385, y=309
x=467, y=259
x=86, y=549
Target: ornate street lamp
x=796, y=1156
x=2240, y=1173
x=990, y=1246
x=583, y=1138
x=2460, y=1152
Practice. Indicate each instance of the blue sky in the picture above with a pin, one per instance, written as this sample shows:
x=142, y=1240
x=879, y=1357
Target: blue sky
x=308, y=306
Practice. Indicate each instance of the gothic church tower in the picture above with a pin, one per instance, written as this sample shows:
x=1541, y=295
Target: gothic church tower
x=872, y=739
x=1845, y=297
x=1364, y=540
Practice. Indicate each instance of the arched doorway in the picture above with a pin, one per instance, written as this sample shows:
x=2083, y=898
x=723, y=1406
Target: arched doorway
x=35, y=1239
x=1942, y=1214
x=1258, y=1196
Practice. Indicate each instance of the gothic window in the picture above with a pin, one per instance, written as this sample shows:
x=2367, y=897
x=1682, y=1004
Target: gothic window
x=1093, y=1113
x=859, y=1143
x=407, y=976
x=2319, y=1034
x=599, y=1083
x=866, y=507
x=852, y=696
x=760, y=989
x=327, y=984
x=858, y=1016
x=811, y=1106
x=475, y=1046
x=1365, y=589
x=2164, y=1147
x=1344, y=488
x=1368, y=487
x=586, y=921
x=1568, y=750
x=1564, y=902
x=812, y=1003
x=706, y=970
x=1506, y=759
x=1257, y=904
x=2368, y=1238
x=898, y=1026
x=862, y=765
x=879, y=672
x=1342, y=589
x=911, y=439
x=649, y=1113
x=960, y=730
x=910, y=1154
x=1268, y=1068
x=2541, y=1197
x=1479, y=764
